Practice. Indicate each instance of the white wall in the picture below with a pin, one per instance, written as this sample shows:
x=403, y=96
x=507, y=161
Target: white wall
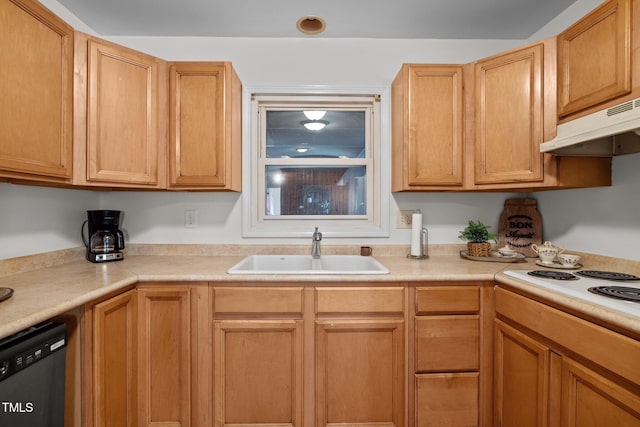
x=598, y=220
x=570, y=217
x=39, y=219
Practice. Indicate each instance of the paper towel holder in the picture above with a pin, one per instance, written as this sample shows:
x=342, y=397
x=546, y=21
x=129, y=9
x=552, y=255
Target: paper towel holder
x=424, y=245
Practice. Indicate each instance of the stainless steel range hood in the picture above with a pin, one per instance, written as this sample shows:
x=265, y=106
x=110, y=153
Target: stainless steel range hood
x=611, y=132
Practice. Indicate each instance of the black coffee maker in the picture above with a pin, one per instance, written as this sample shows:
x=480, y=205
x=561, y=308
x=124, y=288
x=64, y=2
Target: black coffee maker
x=104, y=239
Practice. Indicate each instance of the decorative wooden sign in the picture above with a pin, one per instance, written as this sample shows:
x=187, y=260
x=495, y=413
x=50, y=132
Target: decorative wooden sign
x=520, y=225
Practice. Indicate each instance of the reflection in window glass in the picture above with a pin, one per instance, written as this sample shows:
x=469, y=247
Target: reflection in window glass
x=315, y=134
x=315, y=190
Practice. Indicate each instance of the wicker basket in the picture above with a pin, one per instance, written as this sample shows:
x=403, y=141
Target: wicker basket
x=479, y=249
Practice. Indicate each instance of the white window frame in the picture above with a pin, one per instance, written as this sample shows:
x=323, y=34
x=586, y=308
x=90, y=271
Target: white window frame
x=374, y=224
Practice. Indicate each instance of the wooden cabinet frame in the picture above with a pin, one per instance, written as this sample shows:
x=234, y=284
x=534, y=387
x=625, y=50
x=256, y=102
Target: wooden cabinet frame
x=117, y=136
x=594, y=58
x=427, y=127
x=204, y=126
x=509, y=117
x=37, y=91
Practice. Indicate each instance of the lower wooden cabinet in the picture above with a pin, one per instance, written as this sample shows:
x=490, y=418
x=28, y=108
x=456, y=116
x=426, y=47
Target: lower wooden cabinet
x=258, y=356
x=591, y=399
x=299, y=356
x=170, y=328
x=449, y=353
x=555, y=369
x=521, y=383
x=111, y=362
x=145, y=357
x=258, y=372
x=360, y=356
x=360, y=372
x=198, y=354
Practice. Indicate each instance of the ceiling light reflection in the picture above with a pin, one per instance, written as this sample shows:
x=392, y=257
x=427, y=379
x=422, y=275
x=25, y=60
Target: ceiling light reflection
x=314, y=114
x=278, y=178
x=315, y=125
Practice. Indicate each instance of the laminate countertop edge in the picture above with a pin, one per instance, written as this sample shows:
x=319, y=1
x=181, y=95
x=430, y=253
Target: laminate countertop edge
x=45, y=293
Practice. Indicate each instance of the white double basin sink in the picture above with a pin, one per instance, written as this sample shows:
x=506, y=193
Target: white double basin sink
x=305, y=264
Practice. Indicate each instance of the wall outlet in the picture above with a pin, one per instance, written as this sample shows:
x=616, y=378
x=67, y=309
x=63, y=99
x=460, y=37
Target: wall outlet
x=403, y=218
x=190, y=218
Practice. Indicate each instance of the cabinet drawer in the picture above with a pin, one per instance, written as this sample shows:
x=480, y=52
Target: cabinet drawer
x=448, y=300
x=257, y=300
x=447, y=399
x=447, y=343
x=360, y=300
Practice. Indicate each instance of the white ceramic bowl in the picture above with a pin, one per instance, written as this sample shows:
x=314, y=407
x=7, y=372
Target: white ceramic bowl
x=507, y=252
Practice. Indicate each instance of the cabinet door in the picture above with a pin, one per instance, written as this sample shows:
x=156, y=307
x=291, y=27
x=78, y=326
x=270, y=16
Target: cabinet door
x=509, y=112
x=590, y=400
x=427, y=114
x=521, y=382
x=360, y=372
x=36, y=52
x=205, y=145
x=122, y=108
x=594, y=58
x=165, y=374
x=258, y=372
x=113, y=361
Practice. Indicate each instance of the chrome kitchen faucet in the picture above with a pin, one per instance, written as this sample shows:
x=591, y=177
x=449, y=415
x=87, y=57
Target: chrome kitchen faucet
x=315, y=244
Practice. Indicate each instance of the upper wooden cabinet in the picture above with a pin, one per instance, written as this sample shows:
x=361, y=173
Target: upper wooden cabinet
x=117, y=91
x=515, y=111
x=427, y=127
x=508, y=117
x=36, y=52
x=205, y=126
x=594, y=58
x=509, y=109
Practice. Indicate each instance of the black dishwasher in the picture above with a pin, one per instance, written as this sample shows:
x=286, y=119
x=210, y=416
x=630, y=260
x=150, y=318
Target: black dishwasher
x=32, y=377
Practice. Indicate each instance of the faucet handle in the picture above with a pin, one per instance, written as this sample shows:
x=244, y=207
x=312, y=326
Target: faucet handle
x=317, y=235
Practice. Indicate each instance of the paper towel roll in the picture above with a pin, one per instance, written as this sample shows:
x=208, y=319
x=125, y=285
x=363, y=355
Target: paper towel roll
x=416, y=228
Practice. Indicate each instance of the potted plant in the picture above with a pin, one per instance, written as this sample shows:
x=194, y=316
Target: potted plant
x=477, y=236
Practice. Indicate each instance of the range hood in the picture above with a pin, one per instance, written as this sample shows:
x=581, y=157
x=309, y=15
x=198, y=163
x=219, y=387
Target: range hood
x=611, y=132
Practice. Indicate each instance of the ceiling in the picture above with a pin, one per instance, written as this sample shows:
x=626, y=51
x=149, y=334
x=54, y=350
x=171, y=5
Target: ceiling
x=427, y=19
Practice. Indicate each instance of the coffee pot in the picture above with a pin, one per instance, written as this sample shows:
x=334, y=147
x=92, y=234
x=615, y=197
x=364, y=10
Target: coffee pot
x=104, y=240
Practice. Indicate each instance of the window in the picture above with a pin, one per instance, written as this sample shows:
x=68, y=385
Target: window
x=314, y=160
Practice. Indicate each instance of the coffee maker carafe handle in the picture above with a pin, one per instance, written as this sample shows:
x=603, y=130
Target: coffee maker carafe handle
x=85, y=239
x=120, y=239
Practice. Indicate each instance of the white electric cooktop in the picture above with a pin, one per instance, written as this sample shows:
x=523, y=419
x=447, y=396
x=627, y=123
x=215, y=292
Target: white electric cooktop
x=578, y=287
